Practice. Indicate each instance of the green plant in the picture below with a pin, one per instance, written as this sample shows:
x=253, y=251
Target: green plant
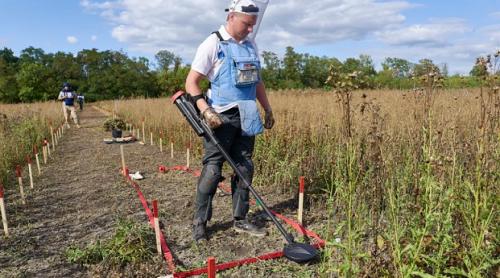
x=131, y=243
x=116, y=123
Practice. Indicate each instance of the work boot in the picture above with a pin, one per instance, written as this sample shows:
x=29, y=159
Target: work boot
x=243, y=226
x=199, y=230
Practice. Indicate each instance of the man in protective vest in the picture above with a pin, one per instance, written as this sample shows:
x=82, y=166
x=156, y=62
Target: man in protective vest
x=229, y=59
x=68, y=97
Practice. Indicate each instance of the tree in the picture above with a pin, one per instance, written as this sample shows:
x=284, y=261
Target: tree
x=292, y=62
x=165, y=58
x=32, y=55
x=425, y=66
x=399, y=67
x=271, y=70
x=32, y=80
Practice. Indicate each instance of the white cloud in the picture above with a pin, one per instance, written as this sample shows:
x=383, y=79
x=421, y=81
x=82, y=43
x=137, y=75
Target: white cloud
x=71, y=39
x=93, y=38
x=492, y=32
x=495, y=14
x=180, y=26
x=434, y=34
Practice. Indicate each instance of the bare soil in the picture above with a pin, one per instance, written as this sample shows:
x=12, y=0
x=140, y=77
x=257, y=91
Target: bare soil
x=80, y=197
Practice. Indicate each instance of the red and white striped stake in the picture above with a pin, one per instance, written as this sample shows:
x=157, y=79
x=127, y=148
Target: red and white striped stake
x=28, y=159
x=20, y=181
x=123, y=160
x=35, y=151
x=2, y=210
x=211, y=267
x=301, y=199
x=157, y=226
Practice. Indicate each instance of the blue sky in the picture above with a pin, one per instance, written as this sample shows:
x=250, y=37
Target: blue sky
x=451, y=32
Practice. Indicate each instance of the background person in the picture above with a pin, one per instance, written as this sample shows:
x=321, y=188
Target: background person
x=229, y=59
x=80, y=99
x=67, y=95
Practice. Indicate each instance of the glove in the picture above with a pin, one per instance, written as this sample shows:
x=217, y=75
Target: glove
x=212, y=118
x=269, y=119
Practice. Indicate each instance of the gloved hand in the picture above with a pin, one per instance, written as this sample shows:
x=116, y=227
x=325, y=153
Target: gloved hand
x=269, y=119
x=212, y=118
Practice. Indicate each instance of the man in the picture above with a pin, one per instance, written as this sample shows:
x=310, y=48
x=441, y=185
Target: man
x=80, y=98
x=229, y=60
x=68, y=102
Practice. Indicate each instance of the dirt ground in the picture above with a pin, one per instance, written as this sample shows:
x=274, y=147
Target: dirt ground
x=80, y=197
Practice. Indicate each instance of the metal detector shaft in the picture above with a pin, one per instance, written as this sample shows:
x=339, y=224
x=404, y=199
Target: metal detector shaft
x=187, y=109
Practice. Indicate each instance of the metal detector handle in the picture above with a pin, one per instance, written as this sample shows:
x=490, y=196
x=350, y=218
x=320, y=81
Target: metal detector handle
x=189, y=112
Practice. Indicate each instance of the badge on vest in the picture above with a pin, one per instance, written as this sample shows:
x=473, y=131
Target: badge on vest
x=247, y=73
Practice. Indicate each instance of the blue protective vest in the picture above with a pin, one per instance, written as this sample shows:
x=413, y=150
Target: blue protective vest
x=69, y=101
x=236, y=82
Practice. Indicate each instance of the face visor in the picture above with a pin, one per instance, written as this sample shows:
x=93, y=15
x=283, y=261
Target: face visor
x=250, y=7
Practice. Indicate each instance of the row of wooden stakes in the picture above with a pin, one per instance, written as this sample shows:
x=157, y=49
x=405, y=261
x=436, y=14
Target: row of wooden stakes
x=56, y=135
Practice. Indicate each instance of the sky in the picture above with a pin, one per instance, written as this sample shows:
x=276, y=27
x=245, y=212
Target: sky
x=454, y=33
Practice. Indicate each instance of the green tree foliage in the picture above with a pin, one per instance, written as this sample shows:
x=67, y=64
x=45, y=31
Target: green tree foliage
x=8, y=69
x=400, y=68
x=37, y=76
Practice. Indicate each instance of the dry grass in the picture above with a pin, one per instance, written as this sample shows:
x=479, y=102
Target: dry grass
x=410, y=192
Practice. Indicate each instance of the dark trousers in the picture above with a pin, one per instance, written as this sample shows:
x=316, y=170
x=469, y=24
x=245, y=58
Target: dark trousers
x=240, y=148
x=81, y=104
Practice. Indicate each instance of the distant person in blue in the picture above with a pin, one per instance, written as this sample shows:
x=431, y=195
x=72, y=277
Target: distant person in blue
x=80, y=101
x=68, y=96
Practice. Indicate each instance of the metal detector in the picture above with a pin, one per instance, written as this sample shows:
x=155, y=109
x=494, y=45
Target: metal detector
x=294, y=251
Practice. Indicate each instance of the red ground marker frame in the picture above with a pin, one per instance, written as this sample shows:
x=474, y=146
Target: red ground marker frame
x=167, y=254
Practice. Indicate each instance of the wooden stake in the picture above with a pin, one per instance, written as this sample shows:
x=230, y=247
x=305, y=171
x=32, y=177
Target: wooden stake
x=53, y=140
x=44, y=153
x=171, y=149
x=151, y=138
x=161, y=145
x=4, y=215
x=48, y=149
x=123, y=160
x=157, y=226
x=301, y=199
x=28, y=159
x=143, y=134
x=187, y=157
x=211, y=267
x=20, y=181
x=35, y=152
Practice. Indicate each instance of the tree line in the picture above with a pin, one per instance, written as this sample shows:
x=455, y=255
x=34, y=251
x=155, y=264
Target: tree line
x=35, y=75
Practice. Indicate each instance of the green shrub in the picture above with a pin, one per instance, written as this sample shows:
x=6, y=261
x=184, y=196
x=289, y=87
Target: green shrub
x=131, y=243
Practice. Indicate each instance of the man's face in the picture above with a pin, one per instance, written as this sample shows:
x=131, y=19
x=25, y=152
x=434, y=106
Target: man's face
x=242, y=25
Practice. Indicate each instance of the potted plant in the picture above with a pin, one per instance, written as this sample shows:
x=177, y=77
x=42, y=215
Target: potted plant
x=116, y=126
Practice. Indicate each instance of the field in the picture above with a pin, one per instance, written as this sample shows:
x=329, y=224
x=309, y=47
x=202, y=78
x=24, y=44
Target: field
x=399, y=183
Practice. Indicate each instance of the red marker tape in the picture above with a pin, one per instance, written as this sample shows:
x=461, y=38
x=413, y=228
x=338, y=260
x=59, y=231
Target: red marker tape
x=18, y=171
x=155, y=208
x=301, y=184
